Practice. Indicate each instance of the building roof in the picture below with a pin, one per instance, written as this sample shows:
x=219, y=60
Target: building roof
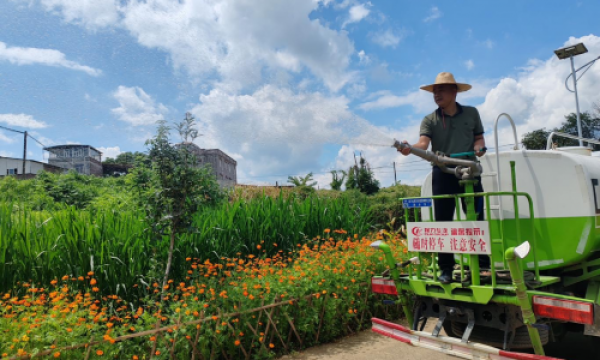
x=49, y=148
x=33, y=161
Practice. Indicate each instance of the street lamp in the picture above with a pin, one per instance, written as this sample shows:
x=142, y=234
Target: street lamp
x=569, y=52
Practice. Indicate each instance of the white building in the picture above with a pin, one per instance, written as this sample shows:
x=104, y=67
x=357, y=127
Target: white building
x=14, y=166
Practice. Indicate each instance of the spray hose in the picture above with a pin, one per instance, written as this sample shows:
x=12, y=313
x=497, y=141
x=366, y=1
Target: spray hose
x=463, y=169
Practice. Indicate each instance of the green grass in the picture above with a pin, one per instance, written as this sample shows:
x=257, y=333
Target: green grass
x=40, y=246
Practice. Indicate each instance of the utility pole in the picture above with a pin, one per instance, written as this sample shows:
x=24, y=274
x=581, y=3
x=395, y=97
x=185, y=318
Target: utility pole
x=395, y=180
x=24, y=151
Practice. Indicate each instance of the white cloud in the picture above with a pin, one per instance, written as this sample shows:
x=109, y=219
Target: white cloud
x=275, y=130
x=421, y=101
x=356, y=14
x=110, y=152
x=234, y=40
x=363, y=58
x=5, y=139
x=488, y=43
x=388, y=38
x=36, y=56
x=537, y=98
x=434, y=14
x=136, y=107
x=6, y=153
x=92, y=14
x=22, y=120
x=469, y=64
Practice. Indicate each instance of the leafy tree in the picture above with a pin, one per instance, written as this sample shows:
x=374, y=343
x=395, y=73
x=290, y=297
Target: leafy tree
x=366, y=179
x=336, y=181
x=173, y=188
x=362, y=178
x=128, y=157
x=590, y=128
x=302, y=181
x=351, y=182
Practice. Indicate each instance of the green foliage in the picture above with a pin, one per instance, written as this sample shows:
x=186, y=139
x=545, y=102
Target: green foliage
x=351, y=181
x=43, y=245
x=302, y=181
x=174, y=188
x=336, y=181
x=590, y=127
x=128, y=157
x=366, y=179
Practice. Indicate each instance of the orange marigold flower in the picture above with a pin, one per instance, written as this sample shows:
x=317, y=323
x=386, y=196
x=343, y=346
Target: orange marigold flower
x=157, y=352
x=57, y=354
x=93, y=282
x=69, y=330
x=237, y=343
x=135, y=357
x=214, y=318
x=152, y=338
x=258, y=247
x=95, y=289
x=99, y=352
x=327, y=231
x=271, y=345
x=91, y=273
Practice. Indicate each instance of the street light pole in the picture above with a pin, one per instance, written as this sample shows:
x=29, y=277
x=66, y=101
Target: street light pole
x=574, y=75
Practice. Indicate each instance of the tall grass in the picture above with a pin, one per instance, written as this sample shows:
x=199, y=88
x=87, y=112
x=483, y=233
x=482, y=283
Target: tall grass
x=40, y=246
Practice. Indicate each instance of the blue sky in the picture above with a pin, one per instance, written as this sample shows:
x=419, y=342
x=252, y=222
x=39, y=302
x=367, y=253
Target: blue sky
x=281, y=85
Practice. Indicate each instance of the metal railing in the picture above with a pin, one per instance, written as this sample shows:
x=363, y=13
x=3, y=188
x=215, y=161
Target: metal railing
x=568, y=136
x=498, y=239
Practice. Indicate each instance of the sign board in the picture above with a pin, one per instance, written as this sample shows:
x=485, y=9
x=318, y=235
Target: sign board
x=416, y=203
x=458, y=237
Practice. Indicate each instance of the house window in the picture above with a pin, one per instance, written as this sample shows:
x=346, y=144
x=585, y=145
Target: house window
x=11, y=171
x=79, y=168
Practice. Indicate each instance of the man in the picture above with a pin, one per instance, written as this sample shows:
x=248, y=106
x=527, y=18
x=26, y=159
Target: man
x=452, y=128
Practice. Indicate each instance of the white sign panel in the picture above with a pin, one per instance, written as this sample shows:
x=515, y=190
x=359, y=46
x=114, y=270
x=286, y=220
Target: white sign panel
x=458, y=237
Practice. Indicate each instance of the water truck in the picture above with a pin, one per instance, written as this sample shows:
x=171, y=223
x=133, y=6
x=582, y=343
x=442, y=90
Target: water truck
x=541, y=231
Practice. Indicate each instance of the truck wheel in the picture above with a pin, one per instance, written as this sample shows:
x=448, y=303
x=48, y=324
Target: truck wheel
x=495, y=337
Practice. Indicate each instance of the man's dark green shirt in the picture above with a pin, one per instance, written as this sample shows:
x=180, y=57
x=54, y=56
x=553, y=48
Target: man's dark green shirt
x=452, y=134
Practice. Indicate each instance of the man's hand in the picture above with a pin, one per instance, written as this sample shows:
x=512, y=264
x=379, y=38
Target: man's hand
x=479, y=146
x=406, y=149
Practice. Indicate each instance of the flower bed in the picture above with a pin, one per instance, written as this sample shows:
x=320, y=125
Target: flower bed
x=245, y=307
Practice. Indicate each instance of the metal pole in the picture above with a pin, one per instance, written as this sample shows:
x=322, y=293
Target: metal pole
x=24, y=151
x=576, y=101
x=395, y=180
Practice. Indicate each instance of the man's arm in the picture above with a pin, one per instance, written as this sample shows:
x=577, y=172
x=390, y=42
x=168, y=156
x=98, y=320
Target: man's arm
x=422, y=144
x=479, y=144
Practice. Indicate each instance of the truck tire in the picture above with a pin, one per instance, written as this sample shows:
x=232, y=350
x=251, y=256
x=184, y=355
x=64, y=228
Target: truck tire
x=495, y=337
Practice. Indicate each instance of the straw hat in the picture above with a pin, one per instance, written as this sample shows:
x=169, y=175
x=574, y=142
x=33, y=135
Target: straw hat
x=446, y=78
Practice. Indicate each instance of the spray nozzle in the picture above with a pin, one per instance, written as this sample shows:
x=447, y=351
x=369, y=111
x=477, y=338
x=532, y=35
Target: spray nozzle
x=400, y=145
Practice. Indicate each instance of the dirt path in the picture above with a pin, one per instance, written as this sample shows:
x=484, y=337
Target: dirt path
x=368, y=345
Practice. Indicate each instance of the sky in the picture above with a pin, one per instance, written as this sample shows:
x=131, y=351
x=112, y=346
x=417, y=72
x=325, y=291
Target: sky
x=284, y=87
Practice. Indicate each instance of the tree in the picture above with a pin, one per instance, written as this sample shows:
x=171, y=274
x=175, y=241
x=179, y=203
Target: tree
x=366, y=179
x=590, y=128
x=362, y=178
x=336, y=182
x=302, y=181
x=172, y=188
x=351, y=182
x=127, y=157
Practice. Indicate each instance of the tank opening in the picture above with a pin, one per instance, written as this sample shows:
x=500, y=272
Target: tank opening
x=502, y=318
x=436, y=308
